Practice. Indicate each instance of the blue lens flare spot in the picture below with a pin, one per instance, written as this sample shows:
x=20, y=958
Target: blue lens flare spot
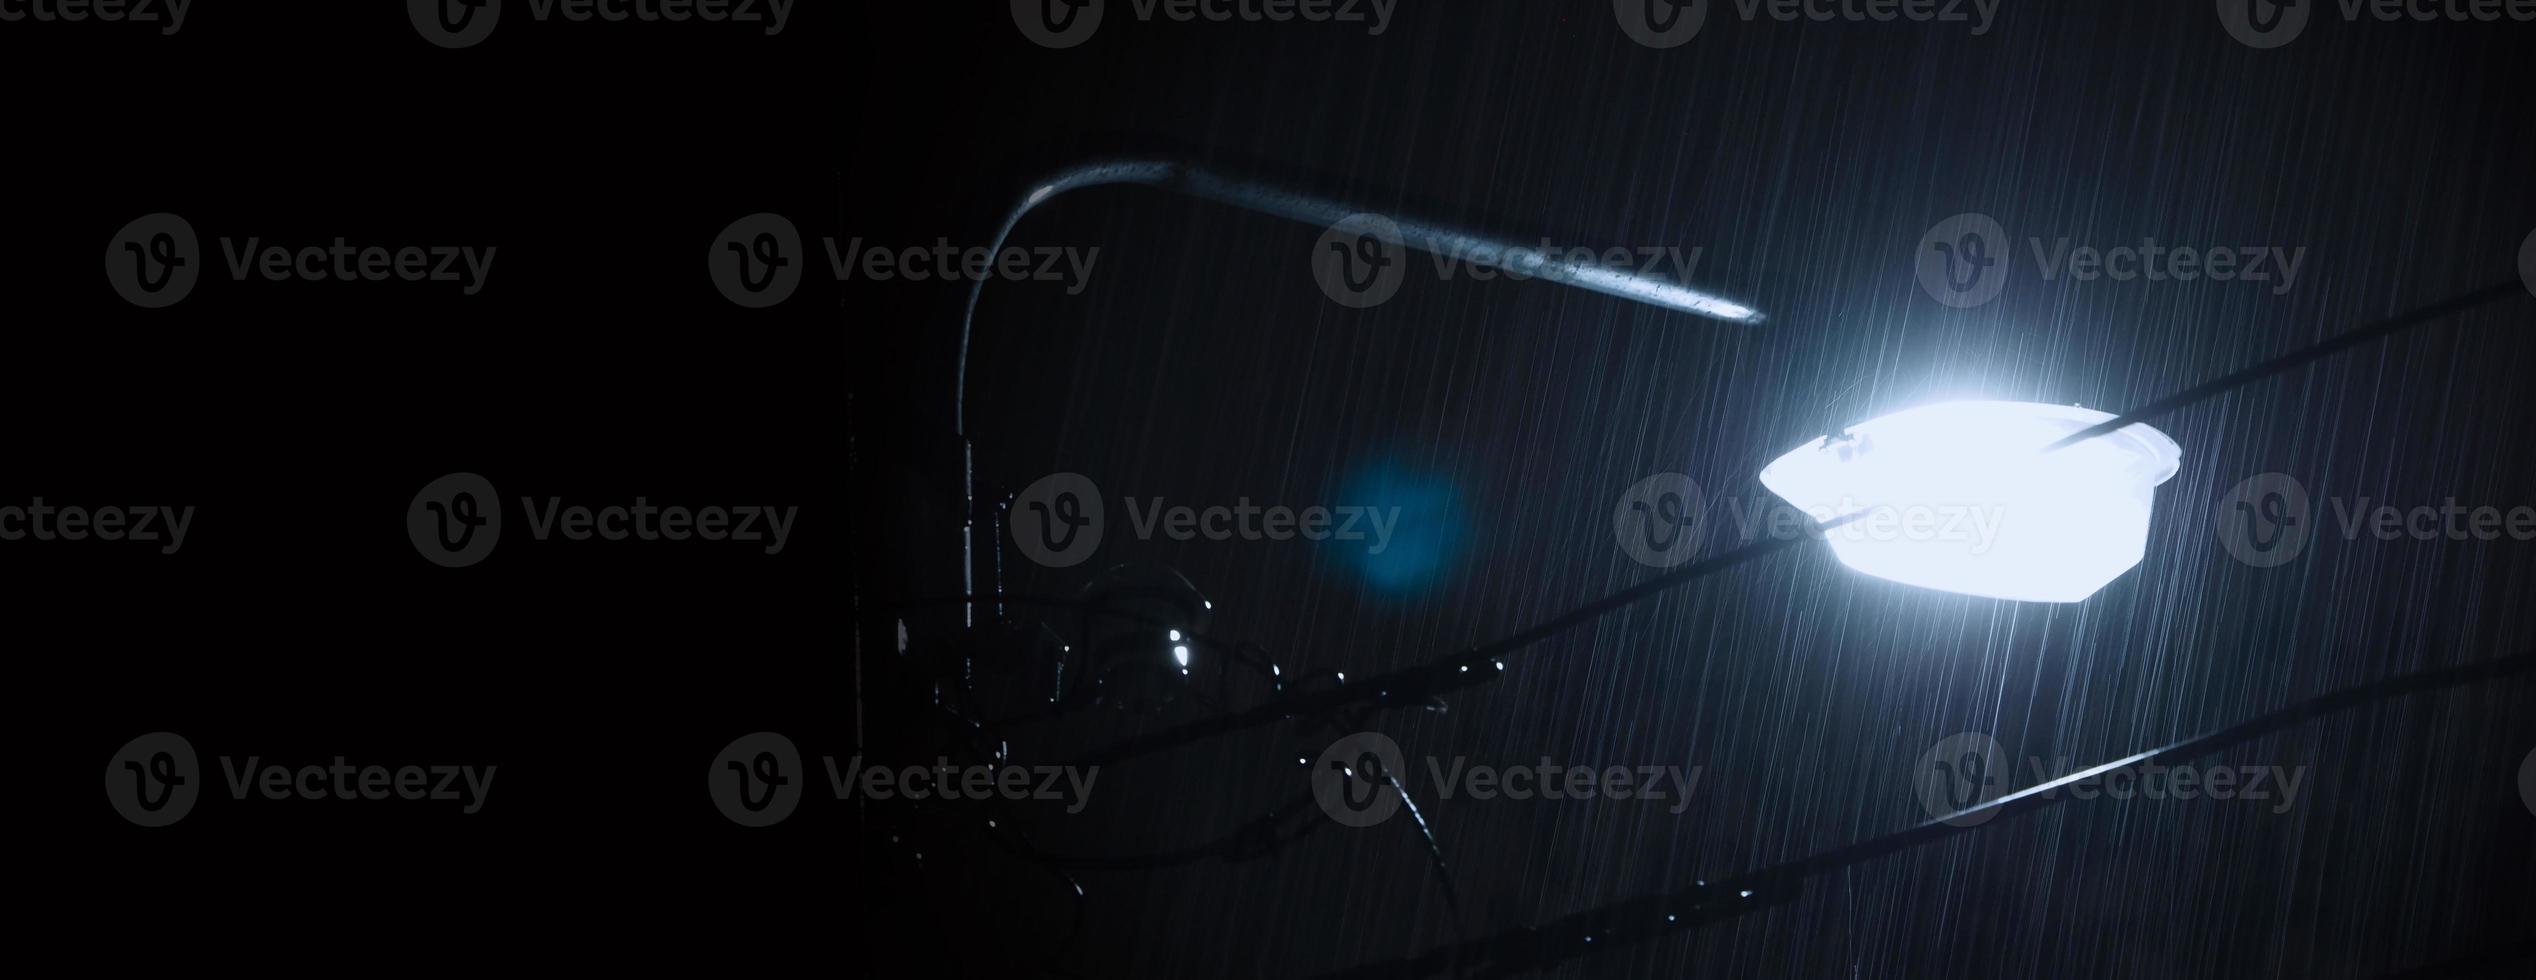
x=1410, y=525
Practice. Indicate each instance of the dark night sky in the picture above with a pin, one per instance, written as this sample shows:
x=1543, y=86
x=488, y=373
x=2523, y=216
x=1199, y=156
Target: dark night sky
x=1200, y=364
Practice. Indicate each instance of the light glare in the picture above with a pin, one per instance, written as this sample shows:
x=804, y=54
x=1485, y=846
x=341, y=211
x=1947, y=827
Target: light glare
x=1962, y=497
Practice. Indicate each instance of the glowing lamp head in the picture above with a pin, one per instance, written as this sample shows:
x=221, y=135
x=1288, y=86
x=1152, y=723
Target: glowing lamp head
x=1962, y=497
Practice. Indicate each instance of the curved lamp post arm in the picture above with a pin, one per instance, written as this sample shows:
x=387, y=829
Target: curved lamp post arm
x=1262, y=198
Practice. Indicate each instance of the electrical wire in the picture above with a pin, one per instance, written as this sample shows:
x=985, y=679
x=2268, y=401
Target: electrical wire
x=1457, y=671
x=1638, y=920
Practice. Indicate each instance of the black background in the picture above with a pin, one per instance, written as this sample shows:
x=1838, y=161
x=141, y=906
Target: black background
x=298, y=624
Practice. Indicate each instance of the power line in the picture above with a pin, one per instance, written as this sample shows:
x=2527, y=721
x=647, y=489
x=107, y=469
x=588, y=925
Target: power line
x=1639, y=920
